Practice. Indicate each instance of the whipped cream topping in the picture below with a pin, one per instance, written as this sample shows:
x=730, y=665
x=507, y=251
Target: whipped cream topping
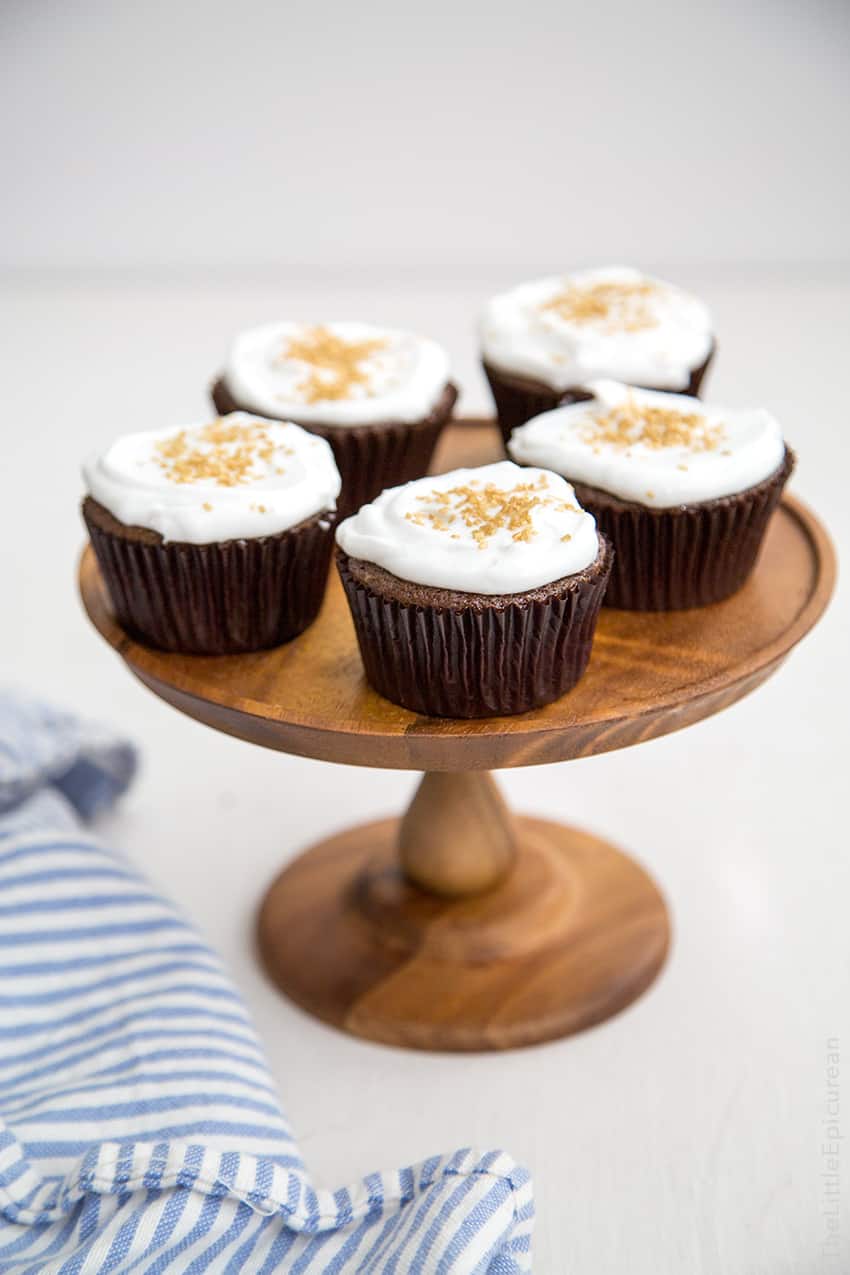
x=235, y=478
x=657, y=449
x=616, y=322
x=336, y=373
x=497, y=529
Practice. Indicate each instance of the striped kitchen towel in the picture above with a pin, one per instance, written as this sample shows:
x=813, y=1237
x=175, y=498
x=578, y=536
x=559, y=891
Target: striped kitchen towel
x=139, y=1127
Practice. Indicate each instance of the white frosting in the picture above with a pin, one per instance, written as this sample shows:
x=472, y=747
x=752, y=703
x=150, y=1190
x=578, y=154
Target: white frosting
x=657, y=340
x=289, y=475
x=727, y=452
x=282, y=370
x=397, y=531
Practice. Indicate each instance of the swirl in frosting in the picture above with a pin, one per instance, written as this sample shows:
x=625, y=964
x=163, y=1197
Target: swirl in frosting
x=336, y=373
x=499, y=529
x=656, y=449
x=617, y=323
x=235, y=478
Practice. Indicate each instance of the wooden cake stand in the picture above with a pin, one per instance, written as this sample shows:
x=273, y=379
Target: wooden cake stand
x=460, y=926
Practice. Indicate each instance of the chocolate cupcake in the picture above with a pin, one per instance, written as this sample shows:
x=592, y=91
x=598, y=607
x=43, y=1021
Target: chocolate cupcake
x=380, y=397
x=476, y=593
x=214, y=539
x=684, y=490
x=543, y=340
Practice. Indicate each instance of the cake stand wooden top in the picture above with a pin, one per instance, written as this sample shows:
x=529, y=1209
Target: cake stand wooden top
x=649, y=673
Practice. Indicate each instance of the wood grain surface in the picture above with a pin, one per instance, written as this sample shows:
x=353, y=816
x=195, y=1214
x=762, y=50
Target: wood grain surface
x=649, y=673
x=457, y=837
x=573, y=935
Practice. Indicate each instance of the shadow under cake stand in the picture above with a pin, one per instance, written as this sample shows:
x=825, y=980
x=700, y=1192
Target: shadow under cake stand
x=460, y=926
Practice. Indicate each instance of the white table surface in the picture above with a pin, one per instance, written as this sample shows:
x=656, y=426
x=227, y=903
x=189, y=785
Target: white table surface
x=683, y=1136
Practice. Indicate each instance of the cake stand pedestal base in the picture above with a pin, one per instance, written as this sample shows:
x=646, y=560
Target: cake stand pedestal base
x=459, y=927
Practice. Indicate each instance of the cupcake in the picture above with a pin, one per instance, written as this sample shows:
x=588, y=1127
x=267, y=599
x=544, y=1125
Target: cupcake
x=542, y=341
x=215, y=538
x=379, y=397
x=475, y=593
x=684, y=490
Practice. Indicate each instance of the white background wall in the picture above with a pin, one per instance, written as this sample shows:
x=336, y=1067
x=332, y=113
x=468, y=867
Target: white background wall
x=455, y=133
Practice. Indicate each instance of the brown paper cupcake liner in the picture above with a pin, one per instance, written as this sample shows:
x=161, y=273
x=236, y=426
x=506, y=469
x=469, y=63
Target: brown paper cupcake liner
x=369, y=457
x=491, y=657
x=212, y=599
x=518, y=398
x=670, y=559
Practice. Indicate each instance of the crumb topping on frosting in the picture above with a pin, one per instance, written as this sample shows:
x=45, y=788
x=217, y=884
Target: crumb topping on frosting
x=487, y=508
x=631, y=422
x=224, y=453
x=622, y=306
x=335, y=365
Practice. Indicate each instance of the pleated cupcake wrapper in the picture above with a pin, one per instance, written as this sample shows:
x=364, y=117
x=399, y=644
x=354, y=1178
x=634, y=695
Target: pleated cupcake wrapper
x=518, y=400
x=670, y=559
x=216, y=599
x=370, y=457
x=476, y=662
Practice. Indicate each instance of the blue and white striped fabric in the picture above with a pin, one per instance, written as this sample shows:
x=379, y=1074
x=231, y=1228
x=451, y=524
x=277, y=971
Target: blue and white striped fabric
x=140, y=1128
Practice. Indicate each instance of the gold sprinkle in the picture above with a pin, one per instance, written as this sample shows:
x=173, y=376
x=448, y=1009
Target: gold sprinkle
x=623, y=307
x=206, y=505
x=223, y=453
x=487, y=509
x=631, y=423
x=335, y=365
x=650, y=495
